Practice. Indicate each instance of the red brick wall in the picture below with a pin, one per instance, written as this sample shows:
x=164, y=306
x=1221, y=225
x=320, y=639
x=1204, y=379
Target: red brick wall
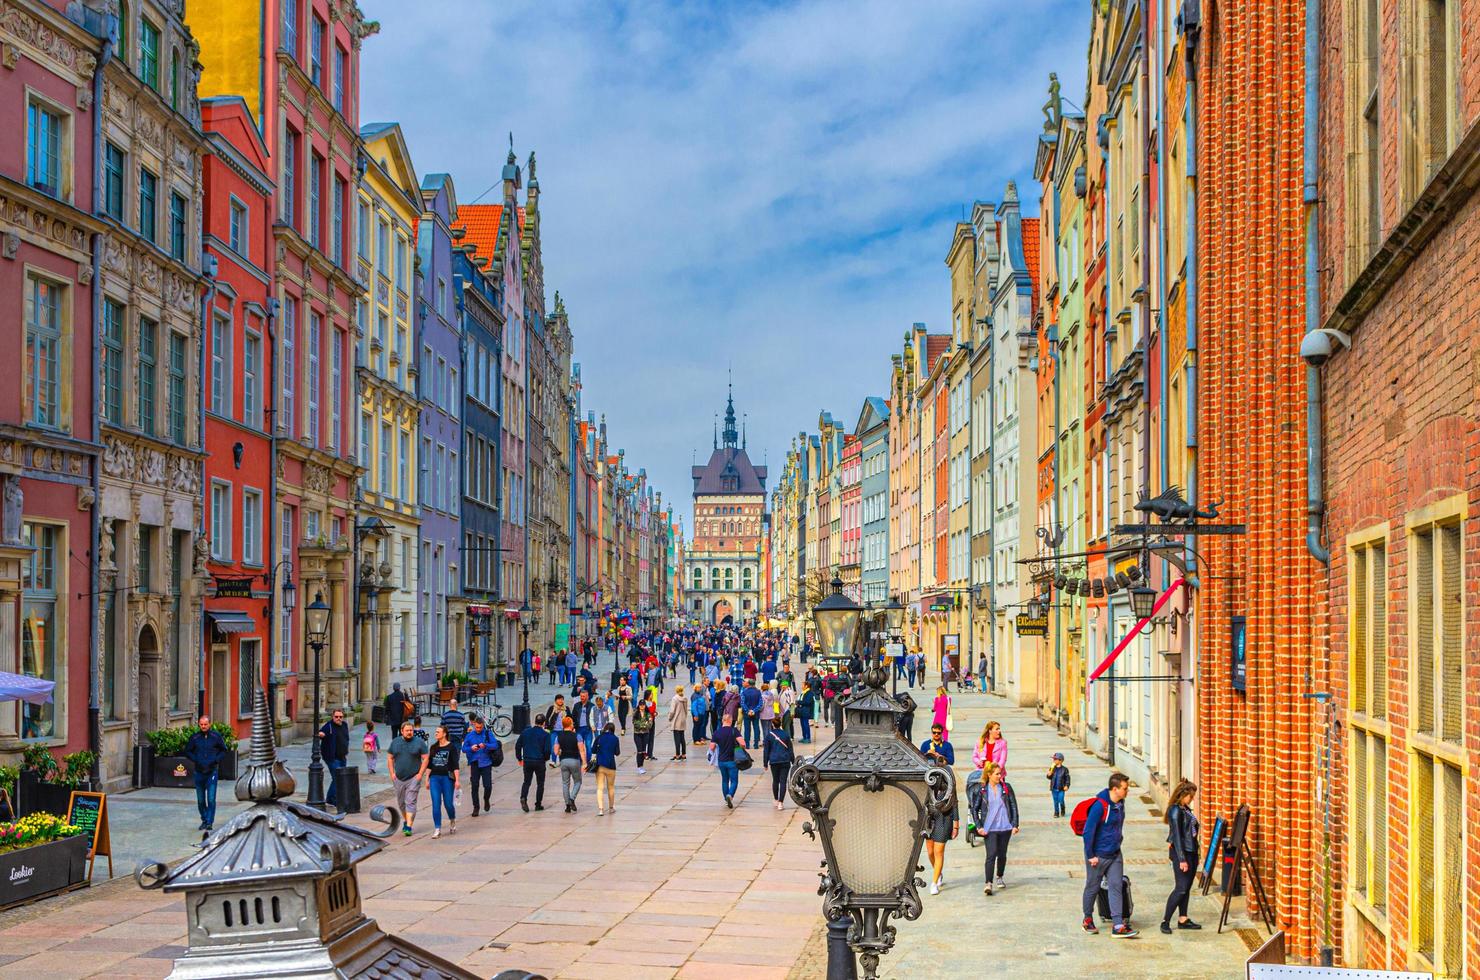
x=1255, y=747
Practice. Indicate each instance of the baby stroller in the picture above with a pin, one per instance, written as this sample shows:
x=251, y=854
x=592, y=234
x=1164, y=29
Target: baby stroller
x=976, y=807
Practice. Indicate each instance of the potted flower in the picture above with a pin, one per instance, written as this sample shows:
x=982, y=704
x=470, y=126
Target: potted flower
x=171, y=768
x=45, y=786
x=40, y=854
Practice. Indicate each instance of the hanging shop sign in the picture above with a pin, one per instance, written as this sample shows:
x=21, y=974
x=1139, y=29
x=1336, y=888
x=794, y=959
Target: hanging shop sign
x=1238, y=661
x=233, y=588
x=1031, y=625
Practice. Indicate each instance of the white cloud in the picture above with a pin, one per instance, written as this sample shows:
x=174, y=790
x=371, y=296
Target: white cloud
x=768, y=185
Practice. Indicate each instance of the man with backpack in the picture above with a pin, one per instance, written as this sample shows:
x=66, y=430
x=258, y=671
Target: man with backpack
x=1101, y=821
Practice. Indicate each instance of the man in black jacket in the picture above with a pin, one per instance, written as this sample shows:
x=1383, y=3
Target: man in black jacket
x=205, y=750
x=395, y=708
x=532, y=750
x=334, y=749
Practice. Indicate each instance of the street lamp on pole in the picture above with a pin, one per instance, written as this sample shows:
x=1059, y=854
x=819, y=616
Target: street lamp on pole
x=894, y=623
x=317, y=626
x=526, y=621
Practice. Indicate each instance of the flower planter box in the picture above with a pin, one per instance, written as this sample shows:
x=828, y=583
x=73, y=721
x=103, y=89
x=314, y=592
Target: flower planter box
x=45, y=869
x=42, y=797
x=178, y=772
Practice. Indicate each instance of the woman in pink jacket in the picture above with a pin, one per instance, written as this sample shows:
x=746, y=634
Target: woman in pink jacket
x=991, y=747
x=942, y=715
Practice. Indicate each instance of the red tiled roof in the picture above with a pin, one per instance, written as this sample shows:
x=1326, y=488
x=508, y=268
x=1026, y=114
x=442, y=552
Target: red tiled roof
x=1030, y=251
x=936, y=344
x=481, y=222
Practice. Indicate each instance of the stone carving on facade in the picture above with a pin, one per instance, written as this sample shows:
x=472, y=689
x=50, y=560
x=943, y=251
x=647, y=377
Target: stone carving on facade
x=30, y=31
x=149, y=276
x=118, y=459
x=179, y=293
x=8, y=451
x=184, y=475
x=84, y=274
x=86, y=498
x=115, y=255
x=151, y=466
x=105, y=545
x=43, y=226
x=202, y=554
x=11, y=245
x=150, y=131
x=84, y=97
x=10, y=55
x=316, y=478
x=12, y=506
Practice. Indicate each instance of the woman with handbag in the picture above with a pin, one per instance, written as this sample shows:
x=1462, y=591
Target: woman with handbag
x=678, y=720
x=624, y=703
x=604, y=759
x=777, y=755
x=727, y=741
x=942, y=716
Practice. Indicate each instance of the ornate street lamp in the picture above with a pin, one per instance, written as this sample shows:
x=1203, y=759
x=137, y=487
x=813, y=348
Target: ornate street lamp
x=1143, y=601
x=316, y=623
x=872, y=797
x=837, y=623
x=521, y=711
x=894, y=623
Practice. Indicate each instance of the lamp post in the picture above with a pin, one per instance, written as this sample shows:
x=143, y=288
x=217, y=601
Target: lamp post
x=317, y=626
x=837, y=623
x=894, y=623
x=521, y=711
x=871, y=796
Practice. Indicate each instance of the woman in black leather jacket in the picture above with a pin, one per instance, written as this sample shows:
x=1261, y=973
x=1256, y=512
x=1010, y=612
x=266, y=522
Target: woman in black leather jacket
x=1182, y=838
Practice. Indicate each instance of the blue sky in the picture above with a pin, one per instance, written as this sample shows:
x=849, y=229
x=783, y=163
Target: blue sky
x=764, y=186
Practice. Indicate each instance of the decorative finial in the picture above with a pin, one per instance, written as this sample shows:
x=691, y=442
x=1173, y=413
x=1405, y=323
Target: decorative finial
x=266, y=778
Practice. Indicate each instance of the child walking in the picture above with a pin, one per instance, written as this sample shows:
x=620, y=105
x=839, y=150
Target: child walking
x=371, y=745
x=1058, y=783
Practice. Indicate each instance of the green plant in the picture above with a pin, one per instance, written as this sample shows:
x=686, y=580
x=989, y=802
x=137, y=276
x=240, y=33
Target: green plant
x=8, y=777
x=38, y=828
x=172, y=741
x=38, y=758
x=76, y=769
x=454, y=677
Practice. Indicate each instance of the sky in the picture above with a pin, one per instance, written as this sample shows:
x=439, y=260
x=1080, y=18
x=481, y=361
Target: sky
x=763, y=188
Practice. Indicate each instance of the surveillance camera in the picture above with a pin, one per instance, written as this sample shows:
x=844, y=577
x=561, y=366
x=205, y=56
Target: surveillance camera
x=1320, y=344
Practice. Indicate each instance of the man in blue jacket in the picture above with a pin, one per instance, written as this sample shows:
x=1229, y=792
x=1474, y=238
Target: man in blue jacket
x=533, y=751
x=477, y=747
x=750, y=707
x=1103, y=832
x=205, y=750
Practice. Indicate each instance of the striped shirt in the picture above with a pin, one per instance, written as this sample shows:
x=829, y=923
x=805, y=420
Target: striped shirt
x=456, y=724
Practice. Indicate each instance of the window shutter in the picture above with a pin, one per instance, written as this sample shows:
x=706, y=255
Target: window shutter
x=1361, y=791
x=1451, y=671
x=1424, y=883
x=1377, y=559
x=1454, y=872
x=1423, y=679
x=1378, y=894
x=1361, y=622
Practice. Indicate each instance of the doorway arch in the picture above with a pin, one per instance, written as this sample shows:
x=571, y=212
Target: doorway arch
x=724, y=613
x=149, y=678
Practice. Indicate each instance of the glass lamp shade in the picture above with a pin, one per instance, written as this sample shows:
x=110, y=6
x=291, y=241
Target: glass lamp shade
x=317, y=622
x=837, y=622
x=873, y=842
x=1143, y=601
x=290, y=594
x=894, y=614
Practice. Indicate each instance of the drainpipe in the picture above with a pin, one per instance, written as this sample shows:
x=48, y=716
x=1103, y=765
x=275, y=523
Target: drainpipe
x=95, y=521
x=1190, y=32
x=207, y=301
x=1058, y=620
x=269, y=401
x=992, y=353
x=1314, y=449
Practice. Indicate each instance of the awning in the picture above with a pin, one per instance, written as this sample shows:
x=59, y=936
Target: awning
x=231, y=621
x=19, y=687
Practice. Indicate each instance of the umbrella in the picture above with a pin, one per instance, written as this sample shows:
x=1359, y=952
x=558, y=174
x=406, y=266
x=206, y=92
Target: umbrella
x=19, y=687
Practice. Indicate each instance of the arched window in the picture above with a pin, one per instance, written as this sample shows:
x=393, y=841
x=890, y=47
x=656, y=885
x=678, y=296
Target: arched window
x=745, y=579
x=123, y=26
x=729, y=578
x=698, y=578
x=714, y=578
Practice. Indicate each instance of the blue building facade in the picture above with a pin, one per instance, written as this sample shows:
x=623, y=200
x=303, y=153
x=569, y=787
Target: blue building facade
x=440, y=391
x=872, y=431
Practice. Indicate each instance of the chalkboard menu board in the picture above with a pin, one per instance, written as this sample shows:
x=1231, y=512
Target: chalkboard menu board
x=89, y=811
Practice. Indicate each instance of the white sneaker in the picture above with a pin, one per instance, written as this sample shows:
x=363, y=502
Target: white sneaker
x=436, y=833
x=1001, y=884
x=641, y=771
x=934, y=888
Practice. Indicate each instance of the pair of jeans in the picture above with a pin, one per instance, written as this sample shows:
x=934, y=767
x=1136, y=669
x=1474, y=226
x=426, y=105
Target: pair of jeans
x=699, y=727
x=751, y=729
x=587, y=736
x=997, y=841
x=729, y=779
x=606, y=788
x=1181, y=887
x=570, y=779
x=622, y=716
x=643, y=743
x=1058, y=801
x=533, y=771
x=481, y=776
x=442, y=796
x=911, y=673
x=331, y=766
x=205, y=796
x=779, y=771
x=1110, y=870
x=680, y=747
x=806, y=729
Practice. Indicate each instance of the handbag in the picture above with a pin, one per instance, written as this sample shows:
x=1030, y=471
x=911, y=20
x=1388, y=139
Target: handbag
x=498, y=753
x=591, y=764
x=743, y=761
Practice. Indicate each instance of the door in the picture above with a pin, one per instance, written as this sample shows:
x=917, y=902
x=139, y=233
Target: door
x=220, y=684
x=149, y=675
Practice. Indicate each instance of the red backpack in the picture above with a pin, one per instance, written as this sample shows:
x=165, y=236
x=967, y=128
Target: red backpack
x=1080, y=816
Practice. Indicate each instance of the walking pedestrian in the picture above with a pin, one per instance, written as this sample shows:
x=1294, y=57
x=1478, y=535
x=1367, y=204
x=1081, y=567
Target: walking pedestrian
x=478, y=746
x=806, y=708
x=942, y=711
x=1182, y=848
x=371, y=745
x=455, y=722
x=750, y=707
x=723, y=752
x=1104, y=827
x=441, y=769
x=582, y=715
x=572, y=752
x=397, y=708
x=532, y=751
x=555, y=717
x=607, y=748
x=205, y=749
x=991, y=747
x=777, y=755
x=678, y=720
x=644, y=719
x=334, y=750
x=1058, y=783
x=407, y=751
x=699, y=711
x=944, y=826
x=994, y=810
x=624, y=703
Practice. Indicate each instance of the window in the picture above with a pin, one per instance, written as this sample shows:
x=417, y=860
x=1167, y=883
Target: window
x=383, y=248
x=385, y=459
x=287, y=420
x=221, y=364
x=144, y=574
x=40, y=645
x=44, y=142
x=177, y=227
x=221, y=520
x=290, y=28
x=182, y=689
x=1368, y=569
x=315, y=195
x=366, y=448
x=148, y=359
x=112, y=361
x=311, y=379
x=341, y=68
x=1437, y=672
x=336, y=245
x=1438, y=872
x=113, y=167
x=252, y=527
x=406, y=563
x=403, y=482
x=362, y=222
x=402, y=266
x=123, y=28
x=251, y=380
x=177, y=387
x=239, y=227
x=148, y=204
x=175, y=79
x=114, y=698
x=290, y=178
x=284, y=654
x=1428, y=90
x=149, y=53
x=336, y=395
x=316, y=51
x=250, y=657
x=44, y=350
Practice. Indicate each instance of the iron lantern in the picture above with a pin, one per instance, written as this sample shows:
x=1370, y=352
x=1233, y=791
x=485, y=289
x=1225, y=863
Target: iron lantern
x=1035, y=607
x=894, y=615
x=837, y=619
x=317, y=620
x=872, y=797
x=1143, y=601
x=290, y=594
